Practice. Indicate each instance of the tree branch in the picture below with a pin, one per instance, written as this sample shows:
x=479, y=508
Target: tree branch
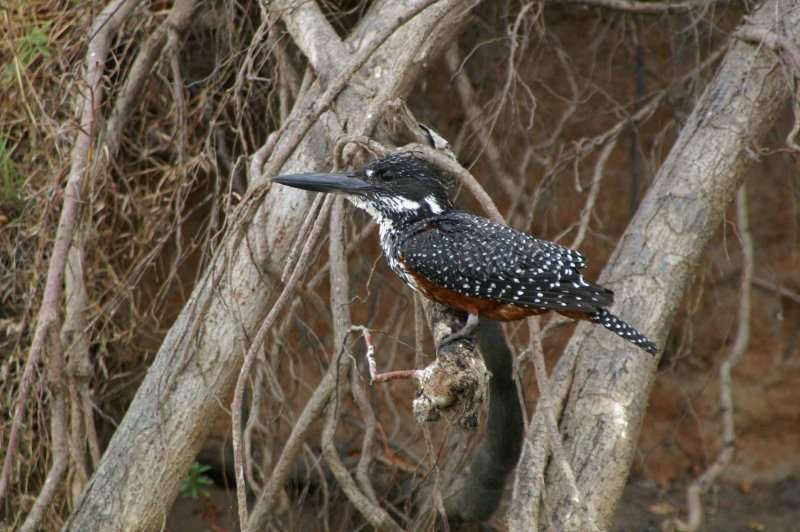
x=700, y=486
x=315, y=37
x=89, y=97
x=180, y=15
x=667, y=236
x=257, y=345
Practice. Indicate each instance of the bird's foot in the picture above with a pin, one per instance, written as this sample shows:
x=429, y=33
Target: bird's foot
x=462, y=333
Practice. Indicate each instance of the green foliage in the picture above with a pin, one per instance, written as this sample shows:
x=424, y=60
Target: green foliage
x=195, y=480
x=31, y=46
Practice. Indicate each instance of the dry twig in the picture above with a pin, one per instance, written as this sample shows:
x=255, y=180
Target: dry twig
x=90, y=92
x=255, y=348
x=700, y=486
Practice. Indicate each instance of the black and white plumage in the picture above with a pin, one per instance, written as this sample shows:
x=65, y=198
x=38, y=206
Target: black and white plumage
x=462, y=260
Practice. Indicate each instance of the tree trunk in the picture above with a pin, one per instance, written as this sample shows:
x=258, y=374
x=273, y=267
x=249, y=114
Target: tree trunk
x=196, y=367
x=650, y=270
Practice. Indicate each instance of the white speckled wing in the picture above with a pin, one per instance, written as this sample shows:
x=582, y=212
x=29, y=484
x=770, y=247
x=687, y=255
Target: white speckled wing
x=479, y=257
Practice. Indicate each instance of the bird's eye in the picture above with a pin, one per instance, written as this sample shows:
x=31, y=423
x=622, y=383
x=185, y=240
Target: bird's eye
x=385, y=176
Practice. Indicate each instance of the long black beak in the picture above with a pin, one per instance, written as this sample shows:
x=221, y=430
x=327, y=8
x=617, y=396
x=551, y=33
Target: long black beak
x=342, y=183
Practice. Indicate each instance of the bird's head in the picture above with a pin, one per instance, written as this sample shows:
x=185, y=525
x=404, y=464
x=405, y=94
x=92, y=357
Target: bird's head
x=395, y=188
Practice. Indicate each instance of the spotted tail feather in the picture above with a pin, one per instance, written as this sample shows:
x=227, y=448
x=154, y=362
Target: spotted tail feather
x=614, y=324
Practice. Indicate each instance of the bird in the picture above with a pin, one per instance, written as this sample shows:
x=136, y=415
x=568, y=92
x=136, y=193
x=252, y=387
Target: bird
x=461, y=260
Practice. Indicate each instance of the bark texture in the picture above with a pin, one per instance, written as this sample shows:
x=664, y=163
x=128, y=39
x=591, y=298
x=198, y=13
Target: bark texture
x=651, y=269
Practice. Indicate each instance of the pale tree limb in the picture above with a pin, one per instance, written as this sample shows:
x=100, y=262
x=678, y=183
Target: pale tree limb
x=315, y=37
x=376, y=516
x=774, y=41
x=299, y=243
x=791, y=52
x=75, y=338
x=700, y=486
x=366, y=459
x=364, y=35
x=436, y=489
x=430, y=448
x=264, y=384
x=304, y=116
x=308, y=111
x=264, y=506
x=368, y=506
x=556, y=446
x=553, y=393
x=782, y=291
x=667, y=237
x=529, y=480
x=594, y=190
x=538, y=445
x=90, y=94
x=57, y=385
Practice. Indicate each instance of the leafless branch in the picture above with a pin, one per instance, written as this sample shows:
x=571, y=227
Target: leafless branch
x=707, y=161
x=782, y=291
x=89, y=96
x=262, y=509
x=594, y=190
x=365, y=461
x=699, y=487
x=477, y=121
x=255, y=348
x=58, y=431
x=178, y=19
x=433, y=460
x=529, y=483
x=75, y=340
x=375, y=515
x=379, y=378
x=304, y=116
x=311, y=218
x=367, y=506
x=774, y=41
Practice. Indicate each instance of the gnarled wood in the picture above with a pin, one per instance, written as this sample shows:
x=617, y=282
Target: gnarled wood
x=667, y=237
